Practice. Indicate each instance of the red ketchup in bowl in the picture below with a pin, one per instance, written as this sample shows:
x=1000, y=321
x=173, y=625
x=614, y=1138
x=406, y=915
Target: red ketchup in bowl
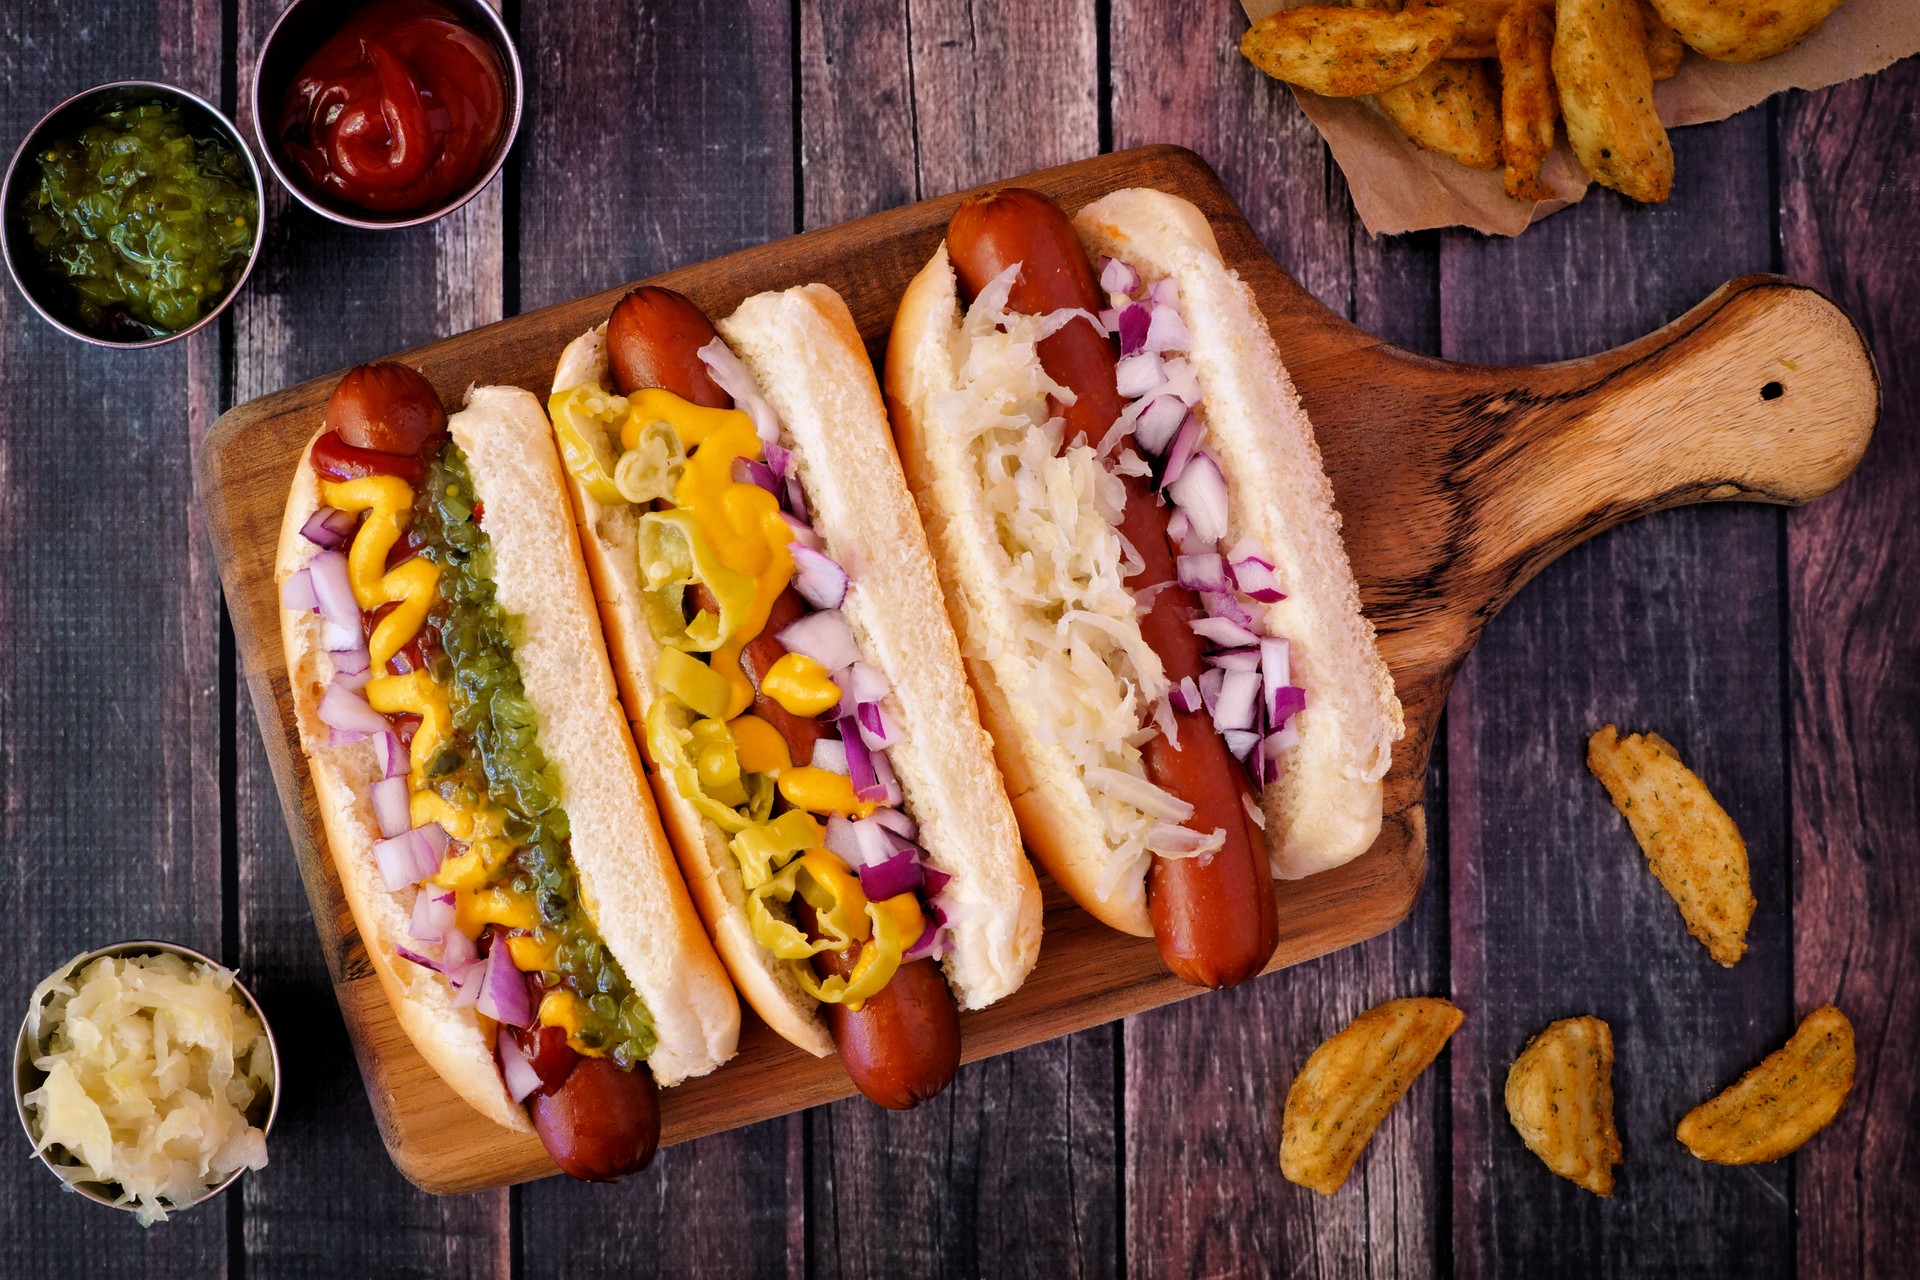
x=398, y=111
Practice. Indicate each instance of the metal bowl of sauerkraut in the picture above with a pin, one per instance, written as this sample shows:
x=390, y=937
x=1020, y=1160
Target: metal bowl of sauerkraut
x=146, y=1077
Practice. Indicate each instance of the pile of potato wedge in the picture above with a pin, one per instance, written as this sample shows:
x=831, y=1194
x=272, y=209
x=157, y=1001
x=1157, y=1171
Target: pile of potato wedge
x=1485, y=81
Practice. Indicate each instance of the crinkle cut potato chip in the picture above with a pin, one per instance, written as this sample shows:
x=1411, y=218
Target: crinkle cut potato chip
x=1690, y=842
x=1351, y=1081
x=1560, y=1098
x=1774, y=1108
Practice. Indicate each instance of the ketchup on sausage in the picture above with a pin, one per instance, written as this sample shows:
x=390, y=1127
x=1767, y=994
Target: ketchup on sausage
x=1213, y=915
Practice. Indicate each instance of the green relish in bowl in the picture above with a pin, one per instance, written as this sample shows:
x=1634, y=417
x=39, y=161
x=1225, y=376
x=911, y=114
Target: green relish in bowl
x=142, y=224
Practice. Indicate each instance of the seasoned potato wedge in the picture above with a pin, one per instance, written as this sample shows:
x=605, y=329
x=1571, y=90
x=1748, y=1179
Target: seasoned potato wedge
x=1692, y=845
x=1665, y=48
x=1350, y=1083
x=1774, y=1108
x=1560, y=1098
x=1476, y=32
x=1606, y=94
x=1528, y=108
x=1450, y=108
x=1345, y=53
x=1744, y=30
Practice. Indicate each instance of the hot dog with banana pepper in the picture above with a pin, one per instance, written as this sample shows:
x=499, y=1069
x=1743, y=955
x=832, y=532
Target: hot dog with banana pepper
x=493, y=831
x=1142, y=560
x=786, y=662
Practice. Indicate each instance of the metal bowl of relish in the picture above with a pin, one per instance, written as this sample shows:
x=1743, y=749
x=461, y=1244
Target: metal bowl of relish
x=131, y=214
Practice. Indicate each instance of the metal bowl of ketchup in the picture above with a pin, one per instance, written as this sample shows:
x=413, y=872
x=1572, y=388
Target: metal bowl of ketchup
x=387, y=113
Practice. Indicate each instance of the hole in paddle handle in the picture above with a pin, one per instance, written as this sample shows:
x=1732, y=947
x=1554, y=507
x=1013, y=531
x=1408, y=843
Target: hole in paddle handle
x=1772, y=391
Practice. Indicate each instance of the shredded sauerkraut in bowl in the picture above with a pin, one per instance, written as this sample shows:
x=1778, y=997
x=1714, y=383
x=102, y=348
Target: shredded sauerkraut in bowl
x=156, y=1069
x=1077, y=665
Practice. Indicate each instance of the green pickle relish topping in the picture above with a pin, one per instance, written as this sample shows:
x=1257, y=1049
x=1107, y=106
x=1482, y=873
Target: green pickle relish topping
x=498, y=755
x=144, y=224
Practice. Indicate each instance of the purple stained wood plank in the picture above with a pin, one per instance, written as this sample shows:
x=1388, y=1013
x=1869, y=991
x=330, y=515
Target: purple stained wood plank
x=657, y=136
x=109, y=656
x=1849, y=206
x=1204, y=1191
x=1671, y=624
x=1012, y=1170
x=331, y=1203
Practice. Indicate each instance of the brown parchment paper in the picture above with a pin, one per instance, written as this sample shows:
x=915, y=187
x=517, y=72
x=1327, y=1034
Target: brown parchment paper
x=1399, y=187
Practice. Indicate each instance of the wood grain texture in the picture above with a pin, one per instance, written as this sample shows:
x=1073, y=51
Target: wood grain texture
x=698, y=165
x=109, y=732
x=1553, y=910
x=1203, y=1189
x=1849, y=206
x=325, y=296
x=1472, y=425
x=1011, y=1171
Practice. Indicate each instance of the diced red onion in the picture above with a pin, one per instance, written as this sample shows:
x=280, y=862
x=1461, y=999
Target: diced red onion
x=802, y=532
x=831, y=756
x=515, y=1071
x=1118, y=277
x=296, y=593
x=1283, y=740
x=1257, y=581
x=1185, y=697
x=734, y=378
x=503, y=989
x=352, y=662
x=936, y=880
x=1110, y=316
x=896, y=875
x=1205, y=572
x=333, y=591
x=1165, y=292
x=1224, y=632
x=1154, y=430
x=405, y=859
x=1183, y=380
x=755, y=472
x=1224, y=604
x=457, y=951
x=1248, y=549
x=889, y=784
x=1168, y=331
x=862, y=770
x=342, y=708
x=1210, y=681
x=875, y=730
x=778, y=458
x=390, y=806
x=796, y=496
x=820, y=582
x=928, y=944
x=432, y=914
x=408, y=953
x=344, y=737
x=391, y=755
x=897, y=821
x=1202, y=492
x=1178, y=527
x=1136, y=375
x=1239, y=741
x=1134, y=324
x=825, y=637
x=1286, y=702
x=1239, y=701
x=858, y=683
x=334, y=637
x=1185, y=446
x=323, y=528
x=859, y=844
x=1275, y=662
x=467, y=980
x=1236, y=659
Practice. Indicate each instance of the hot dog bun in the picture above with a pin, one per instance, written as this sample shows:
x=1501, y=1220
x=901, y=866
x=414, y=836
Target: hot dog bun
x=1327, y=807
x=626, y=871
x=803, y=349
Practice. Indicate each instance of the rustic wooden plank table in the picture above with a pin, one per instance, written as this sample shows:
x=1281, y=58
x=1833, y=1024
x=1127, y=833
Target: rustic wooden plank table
x=1777, y=650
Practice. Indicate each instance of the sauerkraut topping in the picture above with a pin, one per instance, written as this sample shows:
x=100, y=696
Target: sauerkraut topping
x=1076, y=666
x=156, y=1070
